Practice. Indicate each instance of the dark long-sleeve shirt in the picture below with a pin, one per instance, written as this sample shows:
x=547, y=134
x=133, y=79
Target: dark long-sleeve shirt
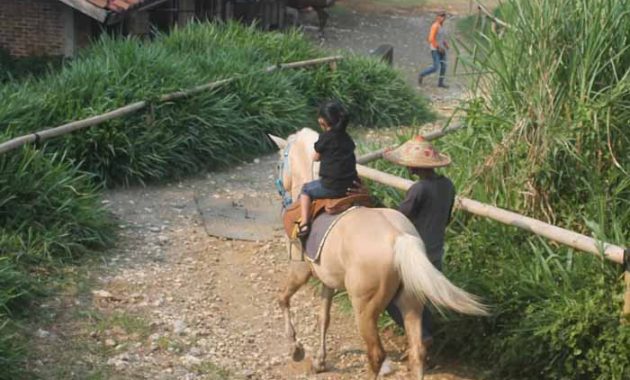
x=428, y=205
x=338, y=165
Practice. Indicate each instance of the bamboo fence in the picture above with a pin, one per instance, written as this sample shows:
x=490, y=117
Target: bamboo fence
x=49, y=133
x=484, y=14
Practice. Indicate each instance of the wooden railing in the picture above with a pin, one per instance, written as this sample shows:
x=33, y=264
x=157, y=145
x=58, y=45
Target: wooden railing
x=61, y=130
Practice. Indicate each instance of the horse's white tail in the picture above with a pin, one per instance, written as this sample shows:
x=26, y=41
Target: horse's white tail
x=423, y=280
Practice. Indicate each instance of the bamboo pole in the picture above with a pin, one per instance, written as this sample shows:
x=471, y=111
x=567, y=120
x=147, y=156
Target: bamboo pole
x=300, y=64
x=557, y=234
x=560, y=235
x=492, y=17
x=368, y=157
x=134, y=107
x=70, y=127
x=195, y=90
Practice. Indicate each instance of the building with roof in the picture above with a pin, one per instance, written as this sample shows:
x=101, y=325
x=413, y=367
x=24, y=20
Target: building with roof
x=62, y=27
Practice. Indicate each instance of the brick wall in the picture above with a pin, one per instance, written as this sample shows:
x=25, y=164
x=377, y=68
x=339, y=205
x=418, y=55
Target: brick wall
x=32, y=27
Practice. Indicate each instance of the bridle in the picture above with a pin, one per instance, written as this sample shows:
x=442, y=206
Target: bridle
x=284, y=164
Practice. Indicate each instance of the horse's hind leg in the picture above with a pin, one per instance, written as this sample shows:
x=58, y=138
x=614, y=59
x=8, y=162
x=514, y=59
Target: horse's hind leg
x=366, y=313
x=411, y=310
x=299, y=273
x=319, y=365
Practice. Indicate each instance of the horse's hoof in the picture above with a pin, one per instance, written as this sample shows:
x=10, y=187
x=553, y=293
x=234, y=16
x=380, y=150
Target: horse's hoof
x=318, y=367
x=297, y=352
x=386, y=368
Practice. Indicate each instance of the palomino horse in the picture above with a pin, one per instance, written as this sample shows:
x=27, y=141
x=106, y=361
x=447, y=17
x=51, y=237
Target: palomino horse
x=318, y=5
x=372, y=254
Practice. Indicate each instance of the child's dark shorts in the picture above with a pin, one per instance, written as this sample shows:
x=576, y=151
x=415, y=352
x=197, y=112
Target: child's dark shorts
x=316, y=190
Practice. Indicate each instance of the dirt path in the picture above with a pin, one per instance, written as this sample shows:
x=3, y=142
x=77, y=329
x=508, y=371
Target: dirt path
x=360, y=32
x=174, y=303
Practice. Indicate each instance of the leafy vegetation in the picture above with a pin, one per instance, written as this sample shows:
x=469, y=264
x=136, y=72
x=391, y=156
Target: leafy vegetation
x=547, y=137
x=50, y=211
x=212, y=128
x=12, y=68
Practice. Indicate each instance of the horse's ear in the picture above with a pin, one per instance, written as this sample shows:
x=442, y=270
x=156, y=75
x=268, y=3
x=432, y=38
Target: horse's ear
x=280, y=142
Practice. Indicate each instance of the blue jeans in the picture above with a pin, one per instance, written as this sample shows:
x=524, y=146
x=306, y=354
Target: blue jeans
x=317, y=190
x=427, y=318
x=439, y=62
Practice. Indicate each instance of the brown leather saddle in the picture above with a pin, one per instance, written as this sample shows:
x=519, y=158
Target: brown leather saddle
x=291, y=216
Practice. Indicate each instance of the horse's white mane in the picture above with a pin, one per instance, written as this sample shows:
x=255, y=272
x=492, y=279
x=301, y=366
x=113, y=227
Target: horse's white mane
x=300, y=160
x=305, y=133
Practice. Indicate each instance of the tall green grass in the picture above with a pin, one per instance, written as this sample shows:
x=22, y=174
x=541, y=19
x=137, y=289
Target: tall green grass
x=548, y=137
x=50, y=210
x=210, y=129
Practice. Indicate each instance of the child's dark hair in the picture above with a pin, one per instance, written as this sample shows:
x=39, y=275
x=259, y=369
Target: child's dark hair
x=335, y=115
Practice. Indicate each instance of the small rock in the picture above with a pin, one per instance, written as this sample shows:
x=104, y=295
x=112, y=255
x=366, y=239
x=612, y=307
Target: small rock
x=189, y=361
x=43, y=334
x=102, y=294
x=162, y=239
x=248, y=373
x=257, y=161
x=109, y=342
x=154, y=229
x=179, y=327
x=195, y=351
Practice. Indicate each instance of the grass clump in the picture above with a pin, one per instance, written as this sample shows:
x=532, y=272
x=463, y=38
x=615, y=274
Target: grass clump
x=14, y=69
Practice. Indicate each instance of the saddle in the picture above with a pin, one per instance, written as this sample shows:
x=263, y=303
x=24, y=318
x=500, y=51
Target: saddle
x=291, y=217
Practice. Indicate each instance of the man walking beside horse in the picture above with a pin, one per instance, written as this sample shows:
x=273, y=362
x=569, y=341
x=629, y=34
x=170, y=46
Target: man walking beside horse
x=428, y=205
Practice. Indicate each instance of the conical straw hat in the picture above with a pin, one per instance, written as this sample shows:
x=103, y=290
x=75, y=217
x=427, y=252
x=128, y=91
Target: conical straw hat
x=417, y=153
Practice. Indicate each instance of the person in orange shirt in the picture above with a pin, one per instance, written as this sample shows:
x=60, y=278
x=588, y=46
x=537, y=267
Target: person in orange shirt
x=439, y=45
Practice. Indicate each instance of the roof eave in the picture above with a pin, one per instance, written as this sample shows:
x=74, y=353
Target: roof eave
x=99, y=14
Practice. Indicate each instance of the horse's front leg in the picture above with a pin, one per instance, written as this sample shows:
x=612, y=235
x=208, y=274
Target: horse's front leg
x=299, y=273
x=319, y=365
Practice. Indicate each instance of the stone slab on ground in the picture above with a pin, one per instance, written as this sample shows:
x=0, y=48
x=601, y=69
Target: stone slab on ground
x=249, y=218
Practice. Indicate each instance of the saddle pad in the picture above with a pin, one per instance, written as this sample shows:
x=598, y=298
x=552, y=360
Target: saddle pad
x=331, y=206
x=320, y=228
